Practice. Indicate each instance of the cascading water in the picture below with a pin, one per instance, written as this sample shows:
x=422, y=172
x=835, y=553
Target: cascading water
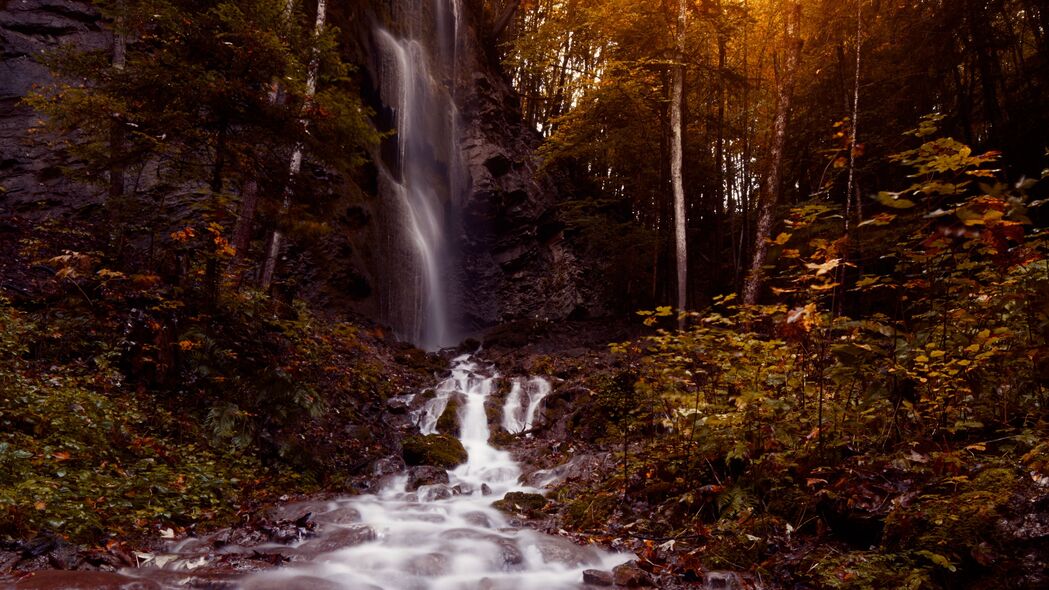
x=519, y=412
x=427, y=175
x=440, y=536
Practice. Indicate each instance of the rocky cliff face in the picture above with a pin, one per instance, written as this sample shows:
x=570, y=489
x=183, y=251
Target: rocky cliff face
x=29, y=175
x=512, y=240
x=513, y=261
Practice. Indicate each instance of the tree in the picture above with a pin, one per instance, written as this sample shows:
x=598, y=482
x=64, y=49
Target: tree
x=270, y=264
x=677, y=101
x=193, y=118
x=770, y=186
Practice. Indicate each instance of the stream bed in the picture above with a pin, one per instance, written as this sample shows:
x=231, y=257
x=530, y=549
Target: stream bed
x=416, y=533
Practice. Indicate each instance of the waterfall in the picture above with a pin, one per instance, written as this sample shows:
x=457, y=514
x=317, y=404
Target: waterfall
x=519, y=412
x=420, y=187
x=440, y=536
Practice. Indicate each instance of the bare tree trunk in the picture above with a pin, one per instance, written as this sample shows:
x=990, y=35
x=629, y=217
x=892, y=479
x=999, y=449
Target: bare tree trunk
x=768, y=195
x=116, y=130
x=270, y=265
x=249, y=201
x=677, y=100
x=855, y=118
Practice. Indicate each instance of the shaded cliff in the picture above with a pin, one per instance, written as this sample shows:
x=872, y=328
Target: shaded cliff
x=30, y=173
x=510, y=259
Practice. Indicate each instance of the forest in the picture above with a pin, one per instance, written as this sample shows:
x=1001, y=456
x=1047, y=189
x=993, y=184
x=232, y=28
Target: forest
x=515, y=294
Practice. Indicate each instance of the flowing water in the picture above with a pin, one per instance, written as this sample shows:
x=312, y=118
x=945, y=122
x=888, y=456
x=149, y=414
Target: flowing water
x=438, y=536
x=443, y=536
x=519, y=411
x=424, y=179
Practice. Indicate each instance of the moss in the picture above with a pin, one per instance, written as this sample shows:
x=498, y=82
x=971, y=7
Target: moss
x=439, y=450
x=529, y=504
x=590, y=513
x=865, y=570
x=448, y=423
x=501, y=439
x=947, y=528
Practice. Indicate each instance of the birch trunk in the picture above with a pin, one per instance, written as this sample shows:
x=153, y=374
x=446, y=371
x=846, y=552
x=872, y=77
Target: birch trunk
x=276, y=241
x=676, y=107
x=768, y=195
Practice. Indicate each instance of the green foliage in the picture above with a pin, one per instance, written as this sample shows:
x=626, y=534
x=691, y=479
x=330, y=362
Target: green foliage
x=770, y=416
x=80, y=458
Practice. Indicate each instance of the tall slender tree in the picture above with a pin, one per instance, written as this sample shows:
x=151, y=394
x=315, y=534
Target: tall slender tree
x=769, y=192
x=270, y=264
x=677, y=103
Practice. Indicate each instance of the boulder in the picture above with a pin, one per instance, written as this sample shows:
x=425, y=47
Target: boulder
x=597, y=578
x=439, y=450
x=425, y=475
x=524, y=502
x=629, y=575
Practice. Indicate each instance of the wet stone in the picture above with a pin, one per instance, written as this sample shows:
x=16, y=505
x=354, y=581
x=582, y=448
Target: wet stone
x=478, y=519
x=597, y=578
x=629, y=575
x=81, y=580
x=434, y=492
x=425, y=475
x=292, y=583
x=561, y=550
x=429, y=565
x=337, y=538
x=722, y=581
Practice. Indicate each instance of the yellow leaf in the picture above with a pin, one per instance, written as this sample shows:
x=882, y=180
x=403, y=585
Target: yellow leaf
x=826, y=267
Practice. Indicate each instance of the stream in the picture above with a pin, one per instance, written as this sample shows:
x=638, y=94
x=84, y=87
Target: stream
x=439, y=536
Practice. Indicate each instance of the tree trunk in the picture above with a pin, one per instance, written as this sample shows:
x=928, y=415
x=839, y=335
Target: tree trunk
x=855, y=118
x=768, y=195
x=211, y=267
x=249, y=201
x=677, y=100
x=270, y=265
x=116, y=130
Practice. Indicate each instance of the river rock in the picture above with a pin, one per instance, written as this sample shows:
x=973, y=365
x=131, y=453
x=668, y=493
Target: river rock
x=524, y=502
x=434, y=492
x=722, y=581
x=597, y=578
x=509, y=553
x=561, y=550
x=478, y=519
x=425, y=475
x=429, y=565
x=297, y=583
x=629, y=575
x=81, y=580
x=439, y=450
x=336, y=538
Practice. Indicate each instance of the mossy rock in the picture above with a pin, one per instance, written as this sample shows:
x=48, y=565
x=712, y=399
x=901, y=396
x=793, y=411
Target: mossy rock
x=501, y=439
x=448, y=423
x=439, y=450
x=523, y=502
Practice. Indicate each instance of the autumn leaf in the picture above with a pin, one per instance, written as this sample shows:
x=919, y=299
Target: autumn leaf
x=826, y=267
